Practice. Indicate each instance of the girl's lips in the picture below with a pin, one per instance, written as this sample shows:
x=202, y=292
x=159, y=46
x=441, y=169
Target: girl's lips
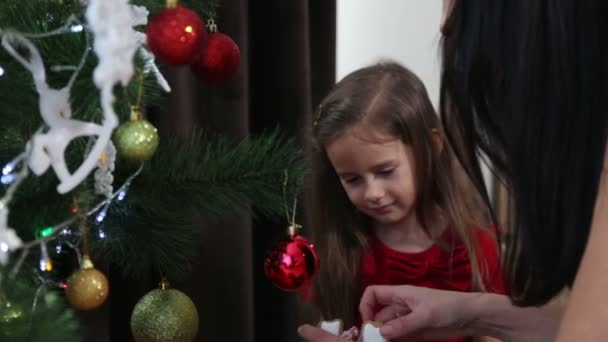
x=383, y=209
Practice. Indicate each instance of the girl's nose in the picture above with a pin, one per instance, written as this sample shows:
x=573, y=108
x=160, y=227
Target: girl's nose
x=374, y=192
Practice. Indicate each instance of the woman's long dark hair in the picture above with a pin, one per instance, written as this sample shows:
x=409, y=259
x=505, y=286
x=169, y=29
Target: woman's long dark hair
x=525, y=82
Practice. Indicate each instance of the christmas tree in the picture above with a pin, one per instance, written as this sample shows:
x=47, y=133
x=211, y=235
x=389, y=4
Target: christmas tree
x=85, y=179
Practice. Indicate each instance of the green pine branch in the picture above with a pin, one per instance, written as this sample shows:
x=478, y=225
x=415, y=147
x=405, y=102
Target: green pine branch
x=30, y=312
x=155, y=227
x=214, y=176
x=198, y=175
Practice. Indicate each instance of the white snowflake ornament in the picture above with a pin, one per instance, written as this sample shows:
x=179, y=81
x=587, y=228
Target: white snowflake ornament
x=9, y=240
x=104, y=177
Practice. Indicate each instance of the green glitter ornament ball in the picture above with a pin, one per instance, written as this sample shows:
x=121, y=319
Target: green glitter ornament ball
x=12, y=320
x=136, y=140
x=164, y=315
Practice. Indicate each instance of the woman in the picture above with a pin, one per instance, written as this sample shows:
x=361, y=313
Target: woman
x=524, y=81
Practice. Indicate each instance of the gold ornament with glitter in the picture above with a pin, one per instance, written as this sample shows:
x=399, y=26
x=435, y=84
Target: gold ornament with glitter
x=164, y=315
x=137, y=139
x=87, y=288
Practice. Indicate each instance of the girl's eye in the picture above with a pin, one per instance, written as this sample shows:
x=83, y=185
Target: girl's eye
x=351, y=180
x=387, y=172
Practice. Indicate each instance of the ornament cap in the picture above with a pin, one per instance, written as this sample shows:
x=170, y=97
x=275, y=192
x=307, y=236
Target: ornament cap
x=86, y=262
x=293, y=229
x=211, y=26
x=172, y=3
x=164, y=284
x=136, y=113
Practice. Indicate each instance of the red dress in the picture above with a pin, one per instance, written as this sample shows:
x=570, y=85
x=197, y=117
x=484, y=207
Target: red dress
x=434, y=267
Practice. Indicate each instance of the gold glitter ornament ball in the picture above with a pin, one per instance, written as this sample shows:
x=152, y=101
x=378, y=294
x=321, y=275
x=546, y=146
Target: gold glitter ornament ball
x=164, y=315
x=136, y=140
x=87, y=288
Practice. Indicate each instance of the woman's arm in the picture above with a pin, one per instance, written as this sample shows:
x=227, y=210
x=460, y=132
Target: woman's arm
x=495, y=315
x=423, y=313
x=586, y=314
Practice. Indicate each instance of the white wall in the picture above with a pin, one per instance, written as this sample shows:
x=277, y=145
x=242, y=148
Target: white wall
x=404, y=30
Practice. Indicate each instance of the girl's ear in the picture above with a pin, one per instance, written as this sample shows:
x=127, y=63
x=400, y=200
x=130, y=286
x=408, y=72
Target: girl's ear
x=438, y=139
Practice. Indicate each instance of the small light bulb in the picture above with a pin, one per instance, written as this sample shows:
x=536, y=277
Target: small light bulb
x=102, y=215
x=7, y=179
x=8, y=168
x=46, y=265
x=76, y=28
x=45, y=261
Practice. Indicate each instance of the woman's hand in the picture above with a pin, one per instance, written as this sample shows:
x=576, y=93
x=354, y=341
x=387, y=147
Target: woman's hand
x=409, y=312
x=417, y=312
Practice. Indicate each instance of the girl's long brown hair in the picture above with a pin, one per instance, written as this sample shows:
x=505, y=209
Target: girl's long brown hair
x=390, y=97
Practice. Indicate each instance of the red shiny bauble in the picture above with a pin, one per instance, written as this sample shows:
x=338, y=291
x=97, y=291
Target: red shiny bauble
x=291, y=263
x=176, y=35
x=219, y=60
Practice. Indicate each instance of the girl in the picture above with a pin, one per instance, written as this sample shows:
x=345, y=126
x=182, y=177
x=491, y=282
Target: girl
x=388, y=206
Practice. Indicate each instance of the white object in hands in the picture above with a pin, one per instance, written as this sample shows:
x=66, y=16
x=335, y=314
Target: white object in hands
x=48, y=147
x=333, y=327
x=370, y=332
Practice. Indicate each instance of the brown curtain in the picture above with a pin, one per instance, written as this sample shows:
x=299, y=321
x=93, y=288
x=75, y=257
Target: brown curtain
x=287, y=65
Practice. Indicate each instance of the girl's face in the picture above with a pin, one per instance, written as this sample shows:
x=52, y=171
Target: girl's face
x=377, y=172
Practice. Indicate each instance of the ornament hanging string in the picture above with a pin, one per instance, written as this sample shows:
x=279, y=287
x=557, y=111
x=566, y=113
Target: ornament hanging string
x=136, y=113
x=140, y=87
x=84, y=229
x=211, y=10
x=293, y=226
x=293, y=261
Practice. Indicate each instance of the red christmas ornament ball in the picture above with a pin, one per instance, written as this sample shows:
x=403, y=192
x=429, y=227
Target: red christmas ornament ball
x=219, y=60
x=176, y=35
x=291, y=263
